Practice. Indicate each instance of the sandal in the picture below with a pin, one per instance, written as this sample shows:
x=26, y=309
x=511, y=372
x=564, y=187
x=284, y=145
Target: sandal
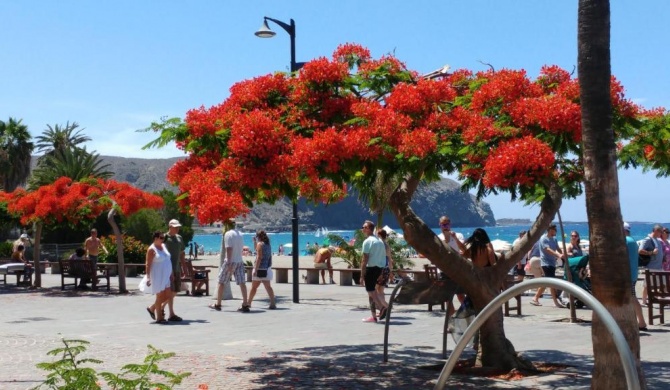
x=535, y=303
x=175, y=318
x=215, y=307
x=161, y=321
x=244, y=308
x=152, y=314
x=382, y=313
x=272, y=306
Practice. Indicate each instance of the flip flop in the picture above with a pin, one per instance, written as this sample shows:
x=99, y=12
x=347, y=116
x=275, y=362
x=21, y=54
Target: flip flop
x=535, y=303
x=215, y=307
x=151, y=313
x=161, y=322
x=175, y=318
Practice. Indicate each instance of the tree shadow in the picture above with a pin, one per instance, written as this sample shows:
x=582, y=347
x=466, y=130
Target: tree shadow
x=361, y=367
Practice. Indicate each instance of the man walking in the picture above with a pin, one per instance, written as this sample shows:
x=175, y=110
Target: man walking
x=549, y=254
x=175, y=245
x=374, y=260
x=232, y=265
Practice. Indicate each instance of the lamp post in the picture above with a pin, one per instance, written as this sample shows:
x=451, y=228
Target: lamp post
x=266, y=32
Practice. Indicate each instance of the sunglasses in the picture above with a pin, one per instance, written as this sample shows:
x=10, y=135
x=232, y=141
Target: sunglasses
x=161, y=237
x=445, y=225
x=574, y=235
x=364, y=227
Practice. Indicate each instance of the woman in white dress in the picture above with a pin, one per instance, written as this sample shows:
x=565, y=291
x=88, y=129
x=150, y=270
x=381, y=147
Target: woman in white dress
x=158, y=276
x=262, y=272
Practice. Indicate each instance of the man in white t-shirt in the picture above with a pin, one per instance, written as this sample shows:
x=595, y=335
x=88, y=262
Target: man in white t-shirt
x=232, y=265
x=445, y=226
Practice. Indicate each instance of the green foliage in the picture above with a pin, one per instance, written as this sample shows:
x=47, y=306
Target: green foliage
x=399, y=251
x=15, y=154
x=75, y=163
x=351, y=254
x=134, y=251
x=6, y=248
x=143, y=223
x=69, y=372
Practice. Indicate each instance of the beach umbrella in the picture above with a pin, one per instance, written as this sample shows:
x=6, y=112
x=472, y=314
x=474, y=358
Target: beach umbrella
x=289, y=245
x=501, y=245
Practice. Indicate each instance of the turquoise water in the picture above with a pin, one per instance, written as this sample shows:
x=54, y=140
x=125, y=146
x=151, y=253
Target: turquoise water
x=212, y=242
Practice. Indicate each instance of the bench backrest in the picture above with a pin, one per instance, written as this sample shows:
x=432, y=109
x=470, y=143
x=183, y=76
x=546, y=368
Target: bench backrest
x=431, y=272
x=77, y=268
x=658, y=284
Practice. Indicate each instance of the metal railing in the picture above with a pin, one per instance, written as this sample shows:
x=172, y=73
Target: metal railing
x=627, y=358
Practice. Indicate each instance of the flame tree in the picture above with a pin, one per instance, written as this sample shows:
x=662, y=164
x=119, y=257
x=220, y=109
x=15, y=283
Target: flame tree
x=69, y=202
x=348, y=118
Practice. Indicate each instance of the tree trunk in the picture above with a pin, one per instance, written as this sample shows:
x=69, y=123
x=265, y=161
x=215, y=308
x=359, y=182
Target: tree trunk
x=119, y=251
x=481, y=284
x=37, y=282
x=607, y=254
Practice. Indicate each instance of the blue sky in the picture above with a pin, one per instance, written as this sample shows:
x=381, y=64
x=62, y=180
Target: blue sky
x=114, y=67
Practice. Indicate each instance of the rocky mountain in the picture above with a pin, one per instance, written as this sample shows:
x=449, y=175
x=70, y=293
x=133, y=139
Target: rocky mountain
x=430, y=202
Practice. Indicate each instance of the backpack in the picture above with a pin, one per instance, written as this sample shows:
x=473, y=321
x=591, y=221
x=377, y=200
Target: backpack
x=644, y=260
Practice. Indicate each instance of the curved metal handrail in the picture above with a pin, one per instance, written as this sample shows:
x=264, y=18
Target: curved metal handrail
x=627, y=359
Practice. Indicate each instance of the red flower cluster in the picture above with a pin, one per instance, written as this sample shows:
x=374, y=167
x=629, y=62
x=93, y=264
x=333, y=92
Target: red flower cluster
x=280, y=133
x=524, y=161
x=65, y=201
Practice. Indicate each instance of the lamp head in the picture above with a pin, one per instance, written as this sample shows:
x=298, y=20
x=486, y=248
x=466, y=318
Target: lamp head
x=264, y=31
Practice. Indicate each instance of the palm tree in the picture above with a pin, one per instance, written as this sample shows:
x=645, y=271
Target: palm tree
x=15, y=154
x=75, y=163
x=609, y=260
x=59, y=138
x=378, y=194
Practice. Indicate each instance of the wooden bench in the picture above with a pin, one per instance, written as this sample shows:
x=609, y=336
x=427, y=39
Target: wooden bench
x=658, y=292
x=510, y=281
x=81, y=269
x=195, y=275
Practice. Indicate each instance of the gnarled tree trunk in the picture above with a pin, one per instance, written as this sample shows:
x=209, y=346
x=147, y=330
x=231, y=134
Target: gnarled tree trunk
x=37, y=281
x=481, y=284
x=119, y=250
x=607, y=254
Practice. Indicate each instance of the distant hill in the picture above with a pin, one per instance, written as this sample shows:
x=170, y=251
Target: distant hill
x=430, y=202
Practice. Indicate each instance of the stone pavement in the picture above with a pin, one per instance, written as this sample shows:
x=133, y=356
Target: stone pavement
x=318, y=343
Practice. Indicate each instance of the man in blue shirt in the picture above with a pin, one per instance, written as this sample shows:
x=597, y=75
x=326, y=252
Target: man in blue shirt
x=632, y=247
x=549, y=253
x=374, y=260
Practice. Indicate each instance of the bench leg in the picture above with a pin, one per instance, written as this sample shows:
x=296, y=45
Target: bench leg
x=312, y=276
x=282, y=275
x=346, y=278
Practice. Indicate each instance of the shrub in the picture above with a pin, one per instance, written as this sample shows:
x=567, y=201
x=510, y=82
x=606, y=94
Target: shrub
x=134, y=251
x=69, y=372
x=6, y=248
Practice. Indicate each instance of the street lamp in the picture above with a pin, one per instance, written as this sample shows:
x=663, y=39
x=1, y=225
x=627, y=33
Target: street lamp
x=266, y=32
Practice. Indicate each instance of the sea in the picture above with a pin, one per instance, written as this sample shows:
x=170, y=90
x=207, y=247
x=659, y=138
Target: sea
x=211, y=243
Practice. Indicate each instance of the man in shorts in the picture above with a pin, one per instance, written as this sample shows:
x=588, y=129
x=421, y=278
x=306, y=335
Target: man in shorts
x=175, y=245
x=374, y=260
x=322, y=261
x=93, y=246
x=549, y=254
x=232, y=265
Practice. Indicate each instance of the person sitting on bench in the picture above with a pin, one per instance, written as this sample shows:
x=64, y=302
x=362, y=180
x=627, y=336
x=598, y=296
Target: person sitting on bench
x=80, y=254
x=17, y=257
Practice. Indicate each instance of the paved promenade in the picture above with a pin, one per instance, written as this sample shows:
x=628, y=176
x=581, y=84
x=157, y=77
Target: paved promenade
x=318, y=343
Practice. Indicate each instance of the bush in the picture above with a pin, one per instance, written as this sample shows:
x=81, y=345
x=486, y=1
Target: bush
x=143, y=224
x=6, y=248
x=69, y=372
x=134, y=251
